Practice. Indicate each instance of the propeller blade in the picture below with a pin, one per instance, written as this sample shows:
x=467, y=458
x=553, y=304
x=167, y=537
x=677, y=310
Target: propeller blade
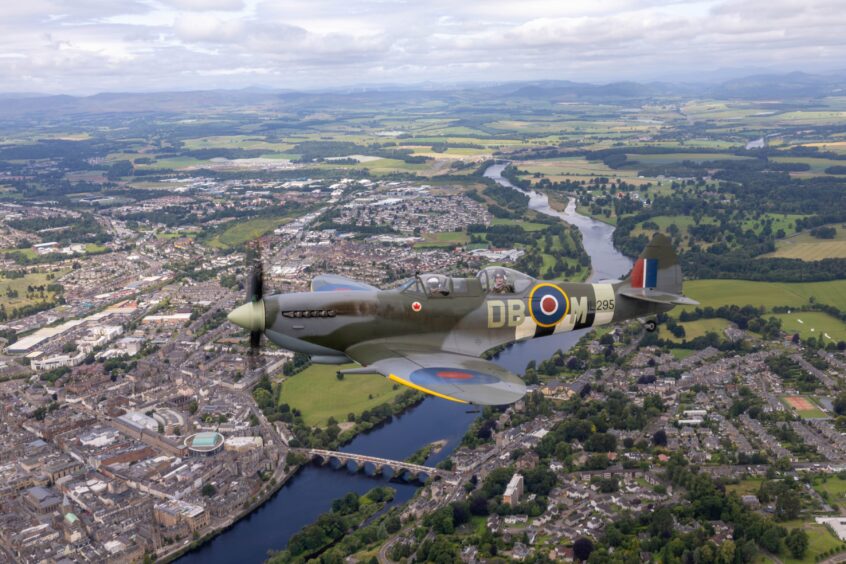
x=255, y=339
x=255, y=289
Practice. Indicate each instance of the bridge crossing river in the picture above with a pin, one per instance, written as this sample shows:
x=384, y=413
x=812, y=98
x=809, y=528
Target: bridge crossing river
x=420, y=472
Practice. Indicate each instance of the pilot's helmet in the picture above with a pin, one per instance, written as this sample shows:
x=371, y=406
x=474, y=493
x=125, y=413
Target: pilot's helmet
x=433, y=282
x=499, y=274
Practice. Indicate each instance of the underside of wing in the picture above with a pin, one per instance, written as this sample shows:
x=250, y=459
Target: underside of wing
x=656, y=296
x=455, y=377
x=336, y=283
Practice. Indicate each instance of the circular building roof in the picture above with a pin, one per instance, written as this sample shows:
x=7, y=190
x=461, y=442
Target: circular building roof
x=204, y=442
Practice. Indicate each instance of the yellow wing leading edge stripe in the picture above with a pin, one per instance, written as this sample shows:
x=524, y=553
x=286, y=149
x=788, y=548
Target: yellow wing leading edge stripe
x=414, y=386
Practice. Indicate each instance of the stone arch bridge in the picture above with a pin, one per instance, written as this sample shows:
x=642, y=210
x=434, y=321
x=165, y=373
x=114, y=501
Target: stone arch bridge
x=357, y=462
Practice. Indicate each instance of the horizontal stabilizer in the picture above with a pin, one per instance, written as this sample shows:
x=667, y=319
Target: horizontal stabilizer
x=656, y=296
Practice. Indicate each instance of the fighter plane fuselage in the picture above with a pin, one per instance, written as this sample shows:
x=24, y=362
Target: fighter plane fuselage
x=328, y=323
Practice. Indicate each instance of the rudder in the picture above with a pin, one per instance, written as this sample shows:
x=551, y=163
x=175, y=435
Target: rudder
x=657, y=267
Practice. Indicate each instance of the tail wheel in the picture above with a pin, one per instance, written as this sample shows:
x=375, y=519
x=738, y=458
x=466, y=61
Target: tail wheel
x=650, y=325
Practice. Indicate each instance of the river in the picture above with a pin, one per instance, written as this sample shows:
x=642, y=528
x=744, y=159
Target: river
x=312, y=490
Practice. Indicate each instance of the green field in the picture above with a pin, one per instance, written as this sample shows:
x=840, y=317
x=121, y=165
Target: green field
x=834, y=487
x=448, y=239
x=813, y=324
x=806, y=247
x=19, y=285
x=319, y=395
x=716, y=293
x=674, y=158
x=235, y=142
x=527, y=225
x=785, y=222
x=243, y=231
x=821, y=540
x=698, y=328
x=745, y=487
x=681, y=354
x=28, y=252
x=818, y=165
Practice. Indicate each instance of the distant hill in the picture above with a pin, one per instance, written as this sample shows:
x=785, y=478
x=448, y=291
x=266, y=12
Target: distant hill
x=766, y=86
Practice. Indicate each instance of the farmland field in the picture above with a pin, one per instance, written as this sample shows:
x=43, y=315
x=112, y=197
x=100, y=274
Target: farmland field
x=716, y=293
x=805, y=246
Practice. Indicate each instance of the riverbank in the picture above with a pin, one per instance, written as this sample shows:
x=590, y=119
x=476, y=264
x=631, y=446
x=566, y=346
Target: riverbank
x=198, y=544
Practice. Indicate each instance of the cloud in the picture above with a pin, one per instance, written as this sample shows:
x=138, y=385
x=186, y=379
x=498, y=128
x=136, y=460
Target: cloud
x=207, y=5
x=84, y=46
x=207, y=28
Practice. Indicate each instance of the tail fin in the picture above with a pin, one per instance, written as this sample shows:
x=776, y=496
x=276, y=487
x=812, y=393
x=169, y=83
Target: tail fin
x=657, y=267
x=656, y=275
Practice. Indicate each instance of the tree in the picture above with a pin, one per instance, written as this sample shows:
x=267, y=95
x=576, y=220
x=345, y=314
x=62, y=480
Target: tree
x=797, y=543
x=208, y=490
x=727, y=550
x=771, y=539
x=788, y=505
x=582, y=549
x=660, y=438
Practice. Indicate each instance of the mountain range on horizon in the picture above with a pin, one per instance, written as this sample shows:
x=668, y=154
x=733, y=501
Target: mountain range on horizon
x=793, y=85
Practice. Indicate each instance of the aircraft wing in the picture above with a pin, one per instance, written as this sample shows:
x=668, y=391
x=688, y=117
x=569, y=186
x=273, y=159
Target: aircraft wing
x=334, y=283
x=451, y=376
x=656, y=296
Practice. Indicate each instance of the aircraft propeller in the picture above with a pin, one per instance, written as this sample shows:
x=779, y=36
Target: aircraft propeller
x=251, y=315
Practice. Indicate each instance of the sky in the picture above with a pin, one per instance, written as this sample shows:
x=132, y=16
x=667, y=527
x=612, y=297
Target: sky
x=87, y=46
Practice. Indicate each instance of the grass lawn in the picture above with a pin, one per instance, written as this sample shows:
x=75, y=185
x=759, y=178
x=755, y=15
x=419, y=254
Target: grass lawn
x=319, y=395
x=681, y=354
x=716, y=293
x=28, y=252
x=812, y=413
x=20, y=285
x=834, y=486
x=698, y=328
x=95, y=248
x=745, y=487
x=821, y=540
x=447, y=239
x=813, y=324
x=242, y=231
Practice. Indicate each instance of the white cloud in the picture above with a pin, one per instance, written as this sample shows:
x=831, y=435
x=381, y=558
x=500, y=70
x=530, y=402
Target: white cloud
x=89, y=45
x=207, y=5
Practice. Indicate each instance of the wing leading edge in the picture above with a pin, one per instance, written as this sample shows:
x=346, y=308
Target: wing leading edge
x=450, y=376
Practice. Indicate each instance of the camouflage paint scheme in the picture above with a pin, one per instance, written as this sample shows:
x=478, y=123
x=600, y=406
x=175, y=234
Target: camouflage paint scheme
x=431, y=340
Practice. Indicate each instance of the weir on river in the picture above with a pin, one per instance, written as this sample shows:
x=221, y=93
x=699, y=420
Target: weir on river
x=312, y=490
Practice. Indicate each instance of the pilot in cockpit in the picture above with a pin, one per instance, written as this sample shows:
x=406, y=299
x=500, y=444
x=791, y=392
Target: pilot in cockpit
x=436, y=286
x=501, y=284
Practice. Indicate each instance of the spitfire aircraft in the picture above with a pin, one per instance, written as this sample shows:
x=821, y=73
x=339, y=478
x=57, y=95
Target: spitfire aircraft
x=428, y=332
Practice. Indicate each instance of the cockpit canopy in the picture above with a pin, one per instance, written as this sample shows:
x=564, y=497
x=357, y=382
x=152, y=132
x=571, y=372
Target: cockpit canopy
x=501, y=280
x=493, y=280
x=439, y=286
